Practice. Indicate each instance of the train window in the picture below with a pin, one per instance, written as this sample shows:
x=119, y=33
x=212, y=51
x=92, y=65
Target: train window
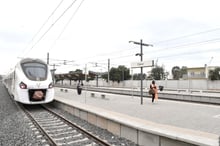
x=35, y=71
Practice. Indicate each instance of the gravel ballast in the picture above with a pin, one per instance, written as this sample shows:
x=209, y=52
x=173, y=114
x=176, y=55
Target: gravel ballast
x=102, y=133
x=15, y=127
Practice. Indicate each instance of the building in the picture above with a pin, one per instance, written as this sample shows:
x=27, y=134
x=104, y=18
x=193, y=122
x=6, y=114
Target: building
x=199, y=72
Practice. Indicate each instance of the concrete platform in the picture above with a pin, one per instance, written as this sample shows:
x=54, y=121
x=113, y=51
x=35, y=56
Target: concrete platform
x=161, y=123
x=197, y=96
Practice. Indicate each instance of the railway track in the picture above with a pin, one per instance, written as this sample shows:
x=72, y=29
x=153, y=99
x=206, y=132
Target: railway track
x=59, y=131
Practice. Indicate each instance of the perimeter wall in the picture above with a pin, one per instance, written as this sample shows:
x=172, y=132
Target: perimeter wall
x=168, y=84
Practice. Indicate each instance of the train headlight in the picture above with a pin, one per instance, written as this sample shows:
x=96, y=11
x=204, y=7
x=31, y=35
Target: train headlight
x=22, y=85
x=50, y=85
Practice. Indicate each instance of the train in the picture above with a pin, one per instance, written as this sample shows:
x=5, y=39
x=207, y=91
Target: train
x=30, y=82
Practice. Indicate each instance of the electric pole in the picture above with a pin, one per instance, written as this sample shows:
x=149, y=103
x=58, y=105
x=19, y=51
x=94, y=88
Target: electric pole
x=141, y=56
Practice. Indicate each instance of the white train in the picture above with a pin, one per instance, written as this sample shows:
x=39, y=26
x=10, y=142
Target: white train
x=30, y=82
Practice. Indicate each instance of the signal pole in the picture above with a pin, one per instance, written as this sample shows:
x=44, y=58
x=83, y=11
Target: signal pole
x=141, y=56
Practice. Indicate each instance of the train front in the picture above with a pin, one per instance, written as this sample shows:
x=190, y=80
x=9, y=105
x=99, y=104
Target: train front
x=35, y=85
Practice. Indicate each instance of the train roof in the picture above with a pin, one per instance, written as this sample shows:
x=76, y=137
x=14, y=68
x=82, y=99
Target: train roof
x=31, y=60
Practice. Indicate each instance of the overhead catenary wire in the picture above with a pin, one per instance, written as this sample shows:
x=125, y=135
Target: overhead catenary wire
x=186, y=36
x=178, y=47
x=155, y=52
x=51, y=26
x=184, y=45
x=188, y=53
x=114, y=59
x=42, y=26
x=64, y=28
x=177, y=38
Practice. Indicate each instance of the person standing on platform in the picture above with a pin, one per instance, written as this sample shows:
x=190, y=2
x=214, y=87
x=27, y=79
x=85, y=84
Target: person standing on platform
x=153, y=86
x=79, y=87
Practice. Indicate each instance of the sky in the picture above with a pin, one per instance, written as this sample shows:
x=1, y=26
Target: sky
x=86, y=33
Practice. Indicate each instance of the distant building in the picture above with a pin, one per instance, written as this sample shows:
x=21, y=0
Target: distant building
x=198, y=73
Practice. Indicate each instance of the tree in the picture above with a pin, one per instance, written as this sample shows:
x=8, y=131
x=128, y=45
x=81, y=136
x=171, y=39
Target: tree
x=118, y=74
x=178, y=72
x=114, y=74
x=138, y=76
x=79, y=71
x=124, y=72
x=214, y=74
x=183, y=71
x=158, y=73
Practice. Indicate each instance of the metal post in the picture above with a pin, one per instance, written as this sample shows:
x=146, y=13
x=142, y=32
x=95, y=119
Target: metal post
x=97, y=80
x=108, y=70
x=48, y=58
x=85, y=84
x=141, y=55
x=141, y=74
x=54, y=74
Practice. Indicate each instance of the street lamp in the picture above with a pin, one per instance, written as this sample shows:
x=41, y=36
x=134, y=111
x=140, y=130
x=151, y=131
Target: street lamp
x=141, y=55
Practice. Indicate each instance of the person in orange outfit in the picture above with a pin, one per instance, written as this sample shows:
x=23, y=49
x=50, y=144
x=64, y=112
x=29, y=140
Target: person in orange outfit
x=154, y=87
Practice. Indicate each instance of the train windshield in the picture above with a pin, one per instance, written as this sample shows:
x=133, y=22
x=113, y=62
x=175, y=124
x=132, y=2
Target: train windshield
x=35, y=71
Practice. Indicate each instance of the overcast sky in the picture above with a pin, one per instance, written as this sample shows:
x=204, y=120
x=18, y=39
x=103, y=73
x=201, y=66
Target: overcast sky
x=182, y=32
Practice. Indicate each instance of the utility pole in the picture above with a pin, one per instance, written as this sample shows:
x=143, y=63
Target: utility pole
x=108, y=69
x=141, y=56
x=48, y=58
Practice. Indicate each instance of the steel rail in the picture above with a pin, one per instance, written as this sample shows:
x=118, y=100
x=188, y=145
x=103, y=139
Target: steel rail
x=50, y=139
x=88, y=134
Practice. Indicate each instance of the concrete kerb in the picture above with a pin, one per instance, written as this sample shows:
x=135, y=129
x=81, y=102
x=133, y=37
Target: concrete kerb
x=141, y=128
x=191, y=97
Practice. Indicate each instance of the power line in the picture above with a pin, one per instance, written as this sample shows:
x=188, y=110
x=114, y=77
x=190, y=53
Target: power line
x=189, y=44
x=64, y=28
x=189, y=53
x=189, y=35
x=164, y=56
x=196, y=43
x=48, y=19
x=177, y=46
x=51, y=26
x=122, y=61
x=159, y=50
x=113, y=60
x=173, y=55
x=44, y=24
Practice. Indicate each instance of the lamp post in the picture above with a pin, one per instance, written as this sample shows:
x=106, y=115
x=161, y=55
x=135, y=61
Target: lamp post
x=141, y=56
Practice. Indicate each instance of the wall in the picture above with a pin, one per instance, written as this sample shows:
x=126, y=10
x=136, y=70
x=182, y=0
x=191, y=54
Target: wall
x=169, y=84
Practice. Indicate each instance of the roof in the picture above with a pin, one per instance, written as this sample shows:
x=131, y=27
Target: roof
x=31, y=60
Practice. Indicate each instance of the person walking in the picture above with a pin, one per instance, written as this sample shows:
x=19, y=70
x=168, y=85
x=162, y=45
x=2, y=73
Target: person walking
x=153, y=87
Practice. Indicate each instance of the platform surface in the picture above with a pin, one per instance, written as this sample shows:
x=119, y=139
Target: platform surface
x=199, y=117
